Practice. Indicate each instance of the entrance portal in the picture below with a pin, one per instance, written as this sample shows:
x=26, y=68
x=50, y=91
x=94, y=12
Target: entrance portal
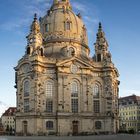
x=25, y=126
x=75, y=127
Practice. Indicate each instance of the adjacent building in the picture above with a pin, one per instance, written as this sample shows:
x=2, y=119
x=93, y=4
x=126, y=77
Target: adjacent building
x=1, y=128
x=129, y=112
x=60, y=88
x=8, y=119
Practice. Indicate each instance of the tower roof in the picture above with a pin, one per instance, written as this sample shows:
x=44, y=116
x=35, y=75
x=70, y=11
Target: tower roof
x=129, y=99
x=35, y=27
x=10, y=111
x=100, y=31
x=101, y=39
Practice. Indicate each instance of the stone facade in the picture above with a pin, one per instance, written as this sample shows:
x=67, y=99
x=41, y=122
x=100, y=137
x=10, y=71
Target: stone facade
x=60, y=89
x=1, y=128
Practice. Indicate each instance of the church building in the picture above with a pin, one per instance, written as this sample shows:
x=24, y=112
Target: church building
x=61, y=90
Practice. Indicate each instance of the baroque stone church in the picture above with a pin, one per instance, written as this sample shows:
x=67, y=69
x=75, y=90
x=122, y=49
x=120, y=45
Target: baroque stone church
x=60, y=89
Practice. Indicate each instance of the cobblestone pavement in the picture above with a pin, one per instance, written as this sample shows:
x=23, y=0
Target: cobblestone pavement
x=108, y=137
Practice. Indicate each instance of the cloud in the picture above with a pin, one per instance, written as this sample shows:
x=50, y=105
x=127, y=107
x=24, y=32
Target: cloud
x=86, y=11
x=40, y=7
x=24, y=20
x=79, y=6
x=91, y=20
x=12, y=25
x=125, y=92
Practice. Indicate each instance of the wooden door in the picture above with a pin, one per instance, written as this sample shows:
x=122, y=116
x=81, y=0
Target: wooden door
x=25, y=127
x=75, y=128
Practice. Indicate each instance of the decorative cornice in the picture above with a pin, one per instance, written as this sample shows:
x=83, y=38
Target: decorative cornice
x=67, y=40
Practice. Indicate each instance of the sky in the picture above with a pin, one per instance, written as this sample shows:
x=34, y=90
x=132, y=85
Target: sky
x=121, y=24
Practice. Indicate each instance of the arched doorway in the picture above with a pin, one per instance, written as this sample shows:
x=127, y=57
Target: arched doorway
x=75, y=125
x=25, y=128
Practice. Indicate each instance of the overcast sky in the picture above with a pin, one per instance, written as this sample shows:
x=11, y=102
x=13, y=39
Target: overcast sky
x=120, y=20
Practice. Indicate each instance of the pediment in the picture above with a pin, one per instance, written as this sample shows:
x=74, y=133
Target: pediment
x=76, y=61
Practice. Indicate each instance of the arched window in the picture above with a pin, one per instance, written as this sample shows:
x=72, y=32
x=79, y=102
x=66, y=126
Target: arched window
x=49, y=125
x=41, y=52
x=74, y=89
x=49, y=89
x=96, y=98
x=47, y=27
x=96, y=91
x=28, y=50
x=67, y=25
x=49, y=94
x=98, y=125
x=74, y=97
x=98, y=57
x=26, y=88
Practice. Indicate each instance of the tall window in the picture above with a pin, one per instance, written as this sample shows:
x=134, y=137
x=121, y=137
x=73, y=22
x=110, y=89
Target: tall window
x=49, y=106
x=26, y=105
x=96, y=91
x=74, y=89
x=28, y=50
x=49, y=89
x=49, y=94
x=49, y=124
x=67, y=25
x=96, y=98
x=26, y=88
x=74, y=97
x=96, y=106
x=47, y=27
x=74, y=105
x=41, y=52
x=83, y=50
x=98, y=57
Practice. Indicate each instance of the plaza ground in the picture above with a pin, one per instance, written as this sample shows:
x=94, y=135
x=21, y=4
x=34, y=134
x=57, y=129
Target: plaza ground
x=107, y=137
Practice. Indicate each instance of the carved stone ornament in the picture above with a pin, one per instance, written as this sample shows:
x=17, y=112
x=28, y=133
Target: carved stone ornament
x=74, y=68
x=55, y=35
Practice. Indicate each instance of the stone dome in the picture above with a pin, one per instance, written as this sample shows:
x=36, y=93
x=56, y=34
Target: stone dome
x=60, y=24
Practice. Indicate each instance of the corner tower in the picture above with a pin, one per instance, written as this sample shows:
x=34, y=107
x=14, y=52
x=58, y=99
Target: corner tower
x=101, y=47
x=35, y=39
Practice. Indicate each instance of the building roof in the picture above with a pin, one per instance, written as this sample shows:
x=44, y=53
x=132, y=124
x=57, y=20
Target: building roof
x=10, y=111
x=132, y=97
x=129, y=100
